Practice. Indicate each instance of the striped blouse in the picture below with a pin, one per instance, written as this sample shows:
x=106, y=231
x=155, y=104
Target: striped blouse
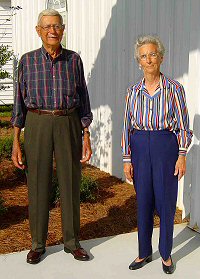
x=166, y=109
x=49, y=84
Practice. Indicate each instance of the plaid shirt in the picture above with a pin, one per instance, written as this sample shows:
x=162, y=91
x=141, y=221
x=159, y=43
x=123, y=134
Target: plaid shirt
x=49, y=84
x=166, y=109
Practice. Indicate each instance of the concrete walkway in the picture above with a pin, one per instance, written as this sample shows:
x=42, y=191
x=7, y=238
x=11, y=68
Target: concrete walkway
x=110, y=257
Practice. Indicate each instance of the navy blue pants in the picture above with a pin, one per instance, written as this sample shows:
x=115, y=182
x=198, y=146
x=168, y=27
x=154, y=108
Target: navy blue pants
x=154, y=155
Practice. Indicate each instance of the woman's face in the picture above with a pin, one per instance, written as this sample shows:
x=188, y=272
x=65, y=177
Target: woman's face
x=150, y=59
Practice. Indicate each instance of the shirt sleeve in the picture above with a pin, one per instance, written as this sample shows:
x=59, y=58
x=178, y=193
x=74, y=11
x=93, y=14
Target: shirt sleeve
x=19, y=108
x=125, y=141
x=85, y=109
x=183, y=133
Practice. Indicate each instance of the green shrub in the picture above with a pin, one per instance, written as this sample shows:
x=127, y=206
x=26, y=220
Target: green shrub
x=5, y=124
x=87, y=190
x=6, y=147
x=2, y=207
x=6, y=110
x=55, y=195
x=6, y=114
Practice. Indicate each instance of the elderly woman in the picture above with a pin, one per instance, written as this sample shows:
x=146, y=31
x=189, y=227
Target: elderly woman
x=155, y=139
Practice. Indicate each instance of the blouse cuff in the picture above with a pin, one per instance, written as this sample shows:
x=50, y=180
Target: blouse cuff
x=182, y=151
x=126, y=159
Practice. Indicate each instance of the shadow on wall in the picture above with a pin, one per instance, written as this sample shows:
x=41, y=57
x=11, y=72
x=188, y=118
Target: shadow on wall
x=115, y=69
x=191, y=195
x=107, y=82
x=101, y=133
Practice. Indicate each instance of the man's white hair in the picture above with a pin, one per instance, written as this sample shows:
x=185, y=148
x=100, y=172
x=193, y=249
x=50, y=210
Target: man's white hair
x=49, y=12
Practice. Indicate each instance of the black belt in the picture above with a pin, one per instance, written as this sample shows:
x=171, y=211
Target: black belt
x=56, y=112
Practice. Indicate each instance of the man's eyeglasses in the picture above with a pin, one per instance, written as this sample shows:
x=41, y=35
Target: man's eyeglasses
x=152, y=55
x=56, y=27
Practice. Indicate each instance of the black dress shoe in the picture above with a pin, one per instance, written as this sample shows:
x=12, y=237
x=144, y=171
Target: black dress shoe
x=34, y=257
x=168, y=269
x=136, y=265
x=79, y=254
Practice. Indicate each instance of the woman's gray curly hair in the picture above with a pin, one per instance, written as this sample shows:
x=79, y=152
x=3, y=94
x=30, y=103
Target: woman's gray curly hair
x=148, y=39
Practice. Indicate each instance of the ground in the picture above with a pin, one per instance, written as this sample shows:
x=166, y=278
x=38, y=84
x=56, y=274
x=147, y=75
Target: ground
x=114, y=212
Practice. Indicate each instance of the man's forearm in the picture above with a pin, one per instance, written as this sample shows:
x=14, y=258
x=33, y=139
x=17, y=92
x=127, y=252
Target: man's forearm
x=17, y=132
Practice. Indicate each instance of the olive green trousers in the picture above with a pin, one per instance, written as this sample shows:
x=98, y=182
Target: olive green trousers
x=46, y=136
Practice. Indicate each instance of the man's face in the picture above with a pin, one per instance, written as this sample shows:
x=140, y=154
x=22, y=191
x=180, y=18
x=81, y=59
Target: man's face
x=50, y=30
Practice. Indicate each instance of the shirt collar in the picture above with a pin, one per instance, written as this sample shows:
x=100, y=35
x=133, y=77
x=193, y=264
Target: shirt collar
x=46, y=54
x=163, y=83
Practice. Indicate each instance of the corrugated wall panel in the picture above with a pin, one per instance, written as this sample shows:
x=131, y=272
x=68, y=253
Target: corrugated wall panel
x=192, y=181
x=6, y=96
x=103, y=32
x=25, y=37
x=89, y=23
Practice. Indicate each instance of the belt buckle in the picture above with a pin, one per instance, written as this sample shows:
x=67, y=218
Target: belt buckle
x=53, y=112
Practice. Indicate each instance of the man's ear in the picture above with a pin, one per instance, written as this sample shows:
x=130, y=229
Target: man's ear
x=38, y=30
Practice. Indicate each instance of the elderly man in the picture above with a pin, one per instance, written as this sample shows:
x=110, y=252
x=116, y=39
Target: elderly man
x=52, y=103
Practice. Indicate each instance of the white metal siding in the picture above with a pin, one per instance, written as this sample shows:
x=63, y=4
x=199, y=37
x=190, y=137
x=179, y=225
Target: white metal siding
x=103, y=32
x=25, y=37
x=6, y=96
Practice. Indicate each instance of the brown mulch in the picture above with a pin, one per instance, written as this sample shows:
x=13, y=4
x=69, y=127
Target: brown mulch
x=113, y=212
x=5, y=118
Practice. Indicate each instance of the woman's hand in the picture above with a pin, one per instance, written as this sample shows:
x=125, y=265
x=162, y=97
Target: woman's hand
x=180, y=167
x=128, y=171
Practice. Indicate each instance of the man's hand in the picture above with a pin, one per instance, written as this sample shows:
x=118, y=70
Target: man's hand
x=16, y=151
x=180, y=167
x=87, y=151
x=128, y=171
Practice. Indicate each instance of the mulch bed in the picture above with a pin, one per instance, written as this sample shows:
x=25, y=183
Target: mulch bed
x=113, y=212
